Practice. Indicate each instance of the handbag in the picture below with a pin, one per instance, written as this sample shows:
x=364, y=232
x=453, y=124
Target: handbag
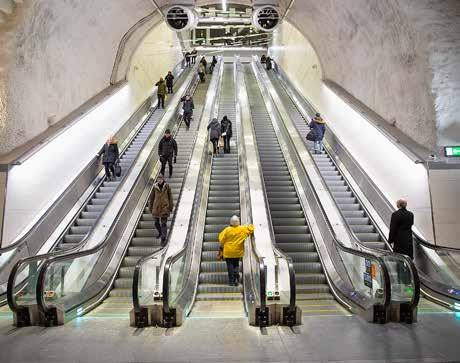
x=311, y=136
x=224, y=134
x=117, y=170
x=220, y=255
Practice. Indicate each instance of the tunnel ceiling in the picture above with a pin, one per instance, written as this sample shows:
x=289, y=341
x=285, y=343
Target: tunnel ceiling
x=397, y=55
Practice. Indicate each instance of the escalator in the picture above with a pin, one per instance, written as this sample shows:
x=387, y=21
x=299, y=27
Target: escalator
x=292, y=234
x=214, y=293
x=145, y=241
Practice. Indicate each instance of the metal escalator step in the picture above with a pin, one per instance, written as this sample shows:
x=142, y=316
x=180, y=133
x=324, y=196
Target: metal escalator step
x=291, y=230
x=223, y=200
x=304, y=256
x=350, y=207
x=81, y=230
x=312, y=289
x=218, y=289
x=209, y=255
x=145, y=242
x=213, y=278
x=90, y=215
x=357, y=221
x=368, y=237
x=289, y=222
x=313, y=278
x=283, y=201
x=213, y=266
x=353, y=213
x=219, y=296
x=226, y=206
x=73, y=238
x=297, y=247
x=126, y=272
x=292, y=238
x=211, y=246
x=285, y=207
x=345, y=201
x=123, y=283
x=287, y=214
x=107, y=190
x=314, y=296
x=363, y=228
x=130, y=261
x=380, y=245
x=281, y=194
x=121, y=292
x=141, y=251
x=227, y=213
x=95, y=208
x=308, y=267
x=215, y=228
x=99, y=201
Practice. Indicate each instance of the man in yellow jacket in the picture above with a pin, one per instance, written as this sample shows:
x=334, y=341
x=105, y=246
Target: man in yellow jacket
x=232, y=239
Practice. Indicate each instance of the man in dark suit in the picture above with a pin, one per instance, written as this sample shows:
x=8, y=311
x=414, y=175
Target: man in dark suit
x=401, y=229
x=401, y=237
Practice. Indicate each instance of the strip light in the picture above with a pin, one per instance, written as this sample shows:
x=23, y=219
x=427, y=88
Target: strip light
x=224, y=5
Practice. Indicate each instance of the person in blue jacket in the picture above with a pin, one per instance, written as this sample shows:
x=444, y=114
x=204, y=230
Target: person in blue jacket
x=319, y=126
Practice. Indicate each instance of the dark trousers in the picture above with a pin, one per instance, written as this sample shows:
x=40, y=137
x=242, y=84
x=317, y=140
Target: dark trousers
x=215, y=143
x=202, y=77
x=170, y=88
x=188, y=118
x=161, y=101
x=164, y=160
x=193, y=60
x=187, y=61
x=227, y=144
x=162, y=228
x=233, y=267
x=109, y=170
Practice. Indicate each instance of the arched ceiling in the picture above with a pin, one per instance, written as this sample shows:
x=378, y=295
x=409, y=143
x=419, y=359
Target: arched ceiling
x=399, y=57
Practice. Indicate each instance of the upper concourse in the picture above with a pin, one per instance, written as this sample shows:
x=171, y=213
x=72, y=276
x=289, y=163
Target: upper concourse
x=399, y=58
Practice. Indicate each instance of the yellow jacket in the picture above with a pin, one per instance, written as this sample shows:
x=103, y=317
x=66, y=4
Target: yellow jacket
x=233, y=237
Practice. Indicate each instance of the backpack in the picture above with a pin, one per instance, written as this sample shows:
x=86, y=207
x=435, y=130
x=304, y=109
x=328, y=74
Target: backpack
x=311, y=136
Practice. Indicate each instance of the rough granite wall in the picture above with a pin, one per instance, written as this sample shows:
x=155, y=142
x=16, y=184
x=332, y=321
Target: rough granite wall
x=64, y=55
x=392, y=55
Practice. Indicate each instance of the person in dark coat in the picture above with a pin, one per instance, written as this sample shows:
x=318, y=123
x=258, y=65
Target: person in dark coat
x=194, y=54
x=169, y=82
x=204, y=62
x=187, y=106
x=187, y=59
x=226, y=131
x=400, y=237
x=161, y=206
x=214, y=129
x=161, y=92
x=213, y=64
x=111, y=155
x=167, y=151
x=263, y=59
x=401, y=229
x=268, y=63
x=319, y=126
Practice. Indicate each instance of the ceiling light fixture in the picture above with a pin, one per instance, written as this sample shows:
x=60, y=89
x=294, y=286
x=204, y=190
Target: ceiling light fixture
x=224, y=5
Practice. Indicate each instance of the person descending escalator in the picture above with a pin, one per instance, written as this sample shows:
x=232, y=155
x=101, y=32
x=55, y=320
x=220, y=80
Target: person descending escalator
x=187, y=107
x=194, y=54
x=161, y=92
x=268, y=63
x=263, y=59
x=161, y=206
x=204, y=62
x=215, y=132
x=187, y=57
x=213, y=64
x=167, y=151
x=226, y=132
x=201, y=72
x=232, y=247
x=111, y=157
x=169, y=82
x=316, y=134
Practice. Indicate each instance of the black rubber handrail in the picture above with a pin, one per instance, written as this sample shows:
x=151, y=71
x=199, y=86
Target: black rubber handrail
x=42, y=305
x=415, y=277
x=12, y=277
x=341, y=246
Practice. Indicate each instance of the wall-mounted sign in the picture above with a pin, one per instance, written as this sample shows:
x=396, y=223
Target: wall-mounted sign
x=452, y=151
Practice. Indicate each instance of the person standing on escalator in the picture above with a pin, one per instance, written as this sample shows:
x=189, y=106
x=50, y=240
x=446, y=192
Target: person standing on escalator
x=214, y=130
x=111, y=156
x=167, y=151
x=187, y=107
x=161, y=92
x=226, y=130
x=169, y=82
x=232, y=247
x=318, y=129
x=161, y=206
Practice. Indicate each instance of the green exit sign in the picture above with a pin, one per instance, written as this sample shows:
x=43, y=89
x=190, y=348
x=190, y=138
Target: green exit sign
x=452, y=151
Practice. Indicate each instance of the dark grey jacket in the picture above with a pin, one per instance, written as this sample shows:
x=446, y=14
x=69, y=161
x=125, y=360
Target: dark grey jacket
x=214, y=129
x=110, y=152
x=167, y=147
x=187, y=106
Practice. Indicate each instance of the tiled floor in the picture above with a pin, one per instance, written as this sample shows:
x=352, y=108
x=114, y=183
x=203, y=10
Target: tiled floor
x=435, y=338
